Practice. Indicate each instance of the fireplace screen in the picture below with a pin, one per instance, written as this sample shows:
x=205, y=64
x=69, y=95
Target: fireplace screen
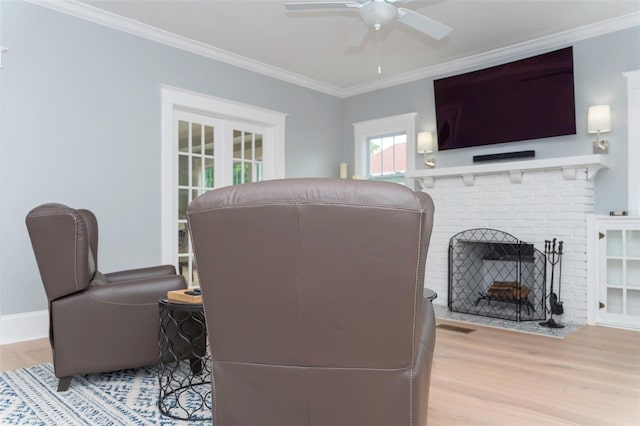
x=493, y=274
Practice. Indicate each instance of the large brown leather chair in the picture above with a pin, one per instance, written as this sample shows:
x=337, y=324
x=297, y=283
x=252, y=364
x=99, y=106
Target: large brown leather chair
x=98, y=323
x=313, y=297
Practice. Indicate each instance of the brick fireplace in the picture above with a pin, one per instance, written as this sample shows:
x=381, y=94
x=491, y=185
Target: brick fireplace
x=536, y=200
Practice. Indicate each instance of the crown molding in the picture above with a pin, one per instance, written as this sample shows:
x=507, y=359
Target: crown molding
x=498, y=55
x=117, y=22
x=139, y=29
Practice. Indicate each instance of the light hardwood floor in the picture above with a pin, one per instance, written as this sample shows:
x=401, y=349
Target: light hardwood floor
x=499, y=377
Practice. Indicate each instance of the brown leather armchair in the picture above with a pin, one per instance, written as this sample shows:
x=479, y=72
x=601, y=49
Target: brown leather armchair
x=98, y=322
x=313, y=297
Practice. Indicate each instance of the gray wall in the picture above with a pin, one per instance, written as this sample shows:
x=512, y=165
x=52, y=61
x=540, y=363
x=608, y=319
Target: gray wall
x=598, y=66
x=80, y=125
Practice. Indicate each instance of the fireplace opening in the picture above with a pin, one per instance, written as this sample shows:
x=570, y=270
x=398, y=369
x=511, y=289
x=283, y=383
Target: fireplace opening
x=494, y=274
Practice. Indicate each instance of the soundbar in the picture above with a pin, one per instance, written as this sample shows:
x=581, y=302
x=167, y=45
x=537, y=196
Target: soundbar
x=504, y=156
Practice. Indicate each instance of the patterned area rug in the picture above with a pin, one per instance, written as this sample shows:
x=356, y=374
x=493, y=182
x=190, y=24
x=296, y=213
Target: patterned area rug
x=129, y=397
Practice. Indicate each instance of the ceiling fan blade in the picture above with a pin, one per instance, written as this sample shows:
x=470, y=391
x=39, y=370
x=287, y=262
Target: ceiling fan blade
x=315, y=5
x=357, y=36
x=424, y=24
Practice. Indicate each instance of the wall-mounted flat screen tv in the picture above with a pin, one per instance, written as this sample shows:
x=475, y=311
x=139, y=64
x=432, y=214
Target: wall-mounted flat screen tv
x=531, y=98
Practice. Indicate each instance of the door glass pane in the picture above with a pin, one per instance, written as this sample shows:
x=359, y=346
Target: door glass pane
x=183, y=266
x=208, y=173
x=183, y=239
x=258, y=172
x=195, y=280
x=195, y=193
x=614, y=272
x=183, y=170
x=237, y=144
x=183, y=203
x=208, y=140
x=633, y=273
x=237, y=172
x=633, y=243
x=183, y=136
x=258, y=150
x=196, y=138
x=614, y=243
x=633, y=303
x=196, y=171
x=248, y=175
x=248, y=147
x=614, y=301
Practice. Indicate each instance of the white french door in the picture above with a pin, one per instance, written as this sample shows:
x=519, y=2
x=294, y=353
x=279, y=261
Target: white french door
x=210, y=153
x=209, y=143
x=197, y=142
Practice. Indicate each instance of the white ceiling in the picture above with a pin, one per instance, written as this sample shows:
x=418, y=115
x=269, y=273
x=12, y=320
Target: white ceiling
x=312, y=45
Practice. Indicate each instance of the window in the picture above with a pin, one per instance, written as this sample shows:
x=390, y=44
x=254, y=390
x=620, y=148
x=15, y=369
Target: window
x=387, y=157
x=384, y=148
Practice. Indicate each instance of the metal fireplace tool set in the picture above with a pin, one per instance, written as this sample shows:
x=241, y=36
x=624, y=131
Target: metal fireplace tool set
x=554, y=257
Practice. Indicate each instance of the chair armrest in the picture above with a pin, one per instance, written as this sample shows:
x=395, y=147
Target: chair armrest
x=136, y=292
x=137, y=274
x=421, y=371
x=109, y=327
x=428, y=326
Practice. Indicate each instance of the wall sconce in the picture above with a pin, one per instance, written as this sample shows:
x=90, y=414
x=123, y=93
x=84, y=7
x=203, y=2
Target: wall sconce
x=425, y=146
x=599, y=120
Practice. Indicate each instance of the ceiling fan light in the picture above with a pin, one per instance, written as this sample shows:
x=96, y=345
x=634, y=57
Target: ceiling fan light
x=378, y=12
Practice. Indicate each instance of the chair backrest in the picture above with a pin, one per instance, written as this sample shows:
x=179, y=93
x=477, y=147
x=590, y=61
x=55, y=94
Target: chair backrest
x=313, y=272
x=91, y=222
x=65, y=243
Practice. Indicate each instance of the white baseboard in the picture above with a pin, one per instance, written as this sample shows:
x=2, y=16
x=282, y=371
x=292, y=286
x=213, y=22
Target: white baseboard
x=24, y=326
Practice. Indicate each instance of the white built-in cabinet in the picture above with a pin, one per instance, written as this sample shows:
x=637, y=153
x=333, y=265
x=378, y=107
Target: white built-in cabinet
x=615, y=297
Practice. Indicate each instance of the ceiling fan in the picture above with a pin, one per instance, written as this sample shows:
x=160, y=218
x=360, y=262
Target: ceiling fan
x=375, y=14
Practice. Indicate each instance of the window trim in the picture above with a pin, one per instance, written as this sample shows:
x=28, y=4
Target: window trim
x=363, y=130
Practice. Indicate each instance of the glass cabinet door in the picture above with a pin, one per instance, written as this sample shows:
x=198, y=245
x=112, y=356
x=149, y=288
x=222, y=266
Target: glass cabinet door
x=620, y=275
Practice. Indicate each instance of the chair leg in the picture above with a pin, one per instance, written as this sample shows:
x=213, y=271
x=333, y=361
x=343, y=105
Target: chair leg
x=196, y=366
x=63, y=383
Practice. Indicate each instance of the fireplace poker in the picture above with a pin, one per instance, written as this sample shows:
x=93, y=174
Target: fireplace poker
x=554, y=257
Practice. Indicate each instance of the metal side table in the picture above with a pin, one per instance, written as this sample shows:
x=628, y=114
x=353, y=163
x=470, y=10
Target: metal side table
x=184, y=368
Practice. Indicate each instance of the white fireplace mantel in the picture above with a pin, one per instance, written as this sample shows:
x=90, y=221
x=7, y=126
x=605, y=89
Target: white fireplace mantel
x=515, y=169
